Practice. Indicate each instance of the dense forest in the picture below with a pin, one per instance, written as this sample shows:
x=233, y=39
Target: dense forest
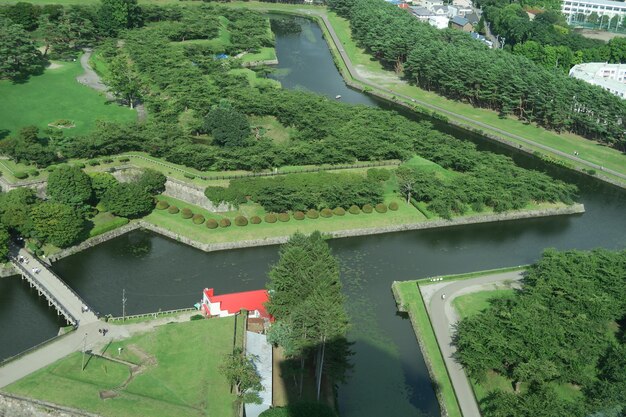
x=452, y=64
x=547, y=40
x=562, y=332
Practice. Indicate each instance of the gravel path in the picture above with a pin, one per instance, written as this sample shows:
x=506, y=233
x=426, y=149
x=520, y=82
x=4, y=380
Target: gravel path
x=444, y=317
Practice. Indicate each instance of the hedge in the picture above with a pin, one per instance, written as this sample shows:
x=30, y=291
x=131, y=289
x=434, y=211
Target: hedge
x=51, y=168
x=367, y=208
x=339, y=211
x=242, y=221
x=198, y=219
x=173, y=210
x=255, y=220
x=211, y=224
x=162, y=205
x=298, y=215
x=393, y=206
x=354, y=210
x=124, y=159
x=33, y=172
x=224, y=222
x=93, y=162
x=20, y=175
x=381, y=208
x=79, y=165
x=312, y=214
x=270, y=218
x=191, y=177
x=107, y=161
x=283, y=217
x=186, y=213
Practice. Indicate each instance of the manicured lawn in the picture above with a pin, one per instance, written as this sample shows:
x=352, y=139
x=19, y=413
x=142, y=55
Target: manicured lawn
x=185, y=227
x=265, y=54
x=470, y=304
x=104, y=222
x=57, y=95
x=412, y=302
x=180, y=378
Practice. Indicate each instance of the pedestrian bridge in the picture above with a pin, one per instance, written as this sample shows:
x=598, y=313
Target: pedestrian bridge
x=58, y=294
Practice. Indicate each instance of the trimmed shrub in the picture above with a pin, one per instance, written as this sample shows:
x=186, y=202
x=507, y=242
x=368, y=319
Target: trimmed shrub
x=339, y=211
x=33, y=172
x=173, y=210
x=191, y=177
x=326, y=212
x=367, y=208
x=224, y=222
x=107, y=160
x=255, y=220
x=270, y=218
x=162, y=205
x=197, y=219
x=20, y=175
x=196, y=317
x=381, y=208
x=242, y=221
x=354, y=210
x=283, y=217
x=298, y=215
x=93, y=162
x=124, y=159
x=79, y=165
x=393, y=206
x=211, y=224
x=51, y=168
x=312, y=214
x=186, y=213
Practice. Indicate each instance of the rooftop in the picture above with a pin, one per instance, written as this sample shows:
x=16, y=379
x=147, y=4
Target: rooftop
x=599, y=2
x=461, y=21
x=247, y=300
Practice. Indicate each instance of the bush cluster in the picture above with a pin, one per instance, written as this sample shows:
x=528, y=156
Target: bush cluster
x=312, y=214
x=255, y=220
x=367, y=208
x=224, y=222
x=198, y=218
x=393, y=206
x=381, y=208
x=339, y=211
x=241, y=221
x=270, y=218
x=20, y=175
x=186, y=213
x=162, y=205
x=298, y=215
x=283, y=217
x=173, y=210
x=354, y=210
x=94, y=162
x=326, y=212
x=211, y=224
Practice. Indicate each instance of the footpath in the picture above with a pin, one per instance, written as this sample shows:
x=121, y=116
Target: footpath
x=444, y=318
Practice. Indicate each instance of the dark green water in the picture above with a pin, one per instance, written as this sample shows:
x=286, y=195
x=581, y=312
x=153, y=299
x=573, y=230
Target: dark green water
x=389, y=377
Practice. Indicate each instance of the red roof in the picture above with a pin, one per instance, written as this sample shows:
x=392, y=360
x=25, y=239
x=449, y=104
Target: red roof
x=248, y=300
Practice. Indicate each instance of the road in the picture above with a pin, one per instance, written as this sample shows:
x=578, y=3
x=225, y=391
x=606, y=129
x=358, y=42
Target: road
x=356, y=76
x=444, y=317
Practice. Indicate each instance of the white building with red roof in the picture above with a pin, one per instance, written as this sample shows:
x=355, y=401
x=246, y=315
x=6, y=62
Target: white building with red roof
x=230, y=304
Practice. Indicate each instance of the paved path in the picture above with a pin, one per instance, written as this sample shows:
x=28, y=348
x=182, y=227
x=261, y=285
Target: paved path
x=66, y=301
x=444, y=317
x=356, y=76
x=91, y=79
x=86, y=336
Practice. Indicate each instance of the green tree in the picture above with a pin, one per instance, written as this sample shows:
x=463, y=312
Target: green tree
x=123, y=81
x=406, y=180
x=24, y=14
x=116, y=15
x=19, y=57
x=128, y=200
x=5, y=238
x=227, y=126
x=152, y=181
x=70, y=185
x=101, y=182
x=15, y=209
x=57, y=223
x=242, y=374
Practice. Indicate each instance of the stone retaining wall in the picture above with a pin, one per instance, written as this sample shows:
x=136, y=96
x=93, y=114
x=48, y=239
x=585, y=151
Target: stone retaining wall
x=17, y=406
x=38, y=185
x=193, y=195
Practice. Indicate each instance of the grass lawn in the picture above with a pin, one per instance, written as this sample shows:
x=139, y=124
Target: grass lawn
x=254, y=80
x=180, y=378
x=412, y=302
x=57, y=95
x=265, y=54
x=270, y=127
x=470, y=304
x=104, y=222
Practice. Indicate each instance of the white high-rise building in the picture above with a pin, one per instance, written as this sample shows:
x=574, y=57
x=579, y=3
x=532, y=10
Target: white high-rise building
x=573, y=8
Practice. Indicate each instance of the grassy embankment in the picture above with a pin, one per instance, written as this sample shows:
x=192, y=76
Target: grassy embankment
x=180, y=374
x=56, y=95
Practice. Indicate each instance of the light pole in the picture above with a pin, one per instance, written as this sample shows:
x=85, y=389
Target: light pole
x=82, y=368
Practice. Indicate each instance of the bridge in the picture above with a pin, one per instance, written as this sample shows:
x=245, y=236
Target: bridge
x=58, y=294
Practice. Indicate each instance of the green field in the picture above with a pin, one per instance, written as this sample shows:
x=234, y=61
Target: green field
x=411, y=301
x=179, y=374
x=57, y=95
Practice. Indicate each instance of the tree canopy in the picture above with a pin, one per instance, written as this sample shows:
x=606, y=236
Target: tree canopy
x=19, y=57
x=57, y=223
x=70, y=185
x=128, y=200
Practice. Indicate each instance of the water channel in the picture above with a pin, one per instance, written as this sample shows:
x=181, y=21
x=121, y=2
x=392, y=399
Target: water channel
x=389, y=375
